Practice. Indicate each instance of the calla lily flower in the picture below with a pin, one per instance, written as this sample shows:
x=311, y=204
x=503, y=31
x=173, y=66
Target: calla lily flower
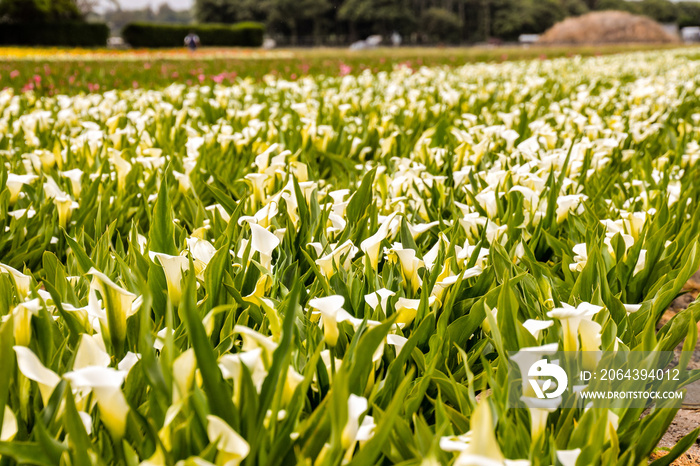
x=332, y=313
x=202, y=252
x=632, y=308
x=535, y=327
x=173, y=266
x=408, y=308
x=22, y=282
x=409, y=264
x=15, y=183
x=483, y=448
x=231, y=366
x=570, y=318
x=379, y=298
x=22, y=314
x=291, y=382
x=566, y=204
x=118, y=305
x=396, y=341
x=456, y=443
x=9, y=425
x=184, y=369
x=91, y=352
x=105, y=384
x=326, y=263
x=232, y=447
x=263, y=242
x=372, y=245
x=357, y=405
x=568, y=457
x=65, y=207
x=75, y=176
x=30, y=367
x=122, y=168
x=539, y=411
x=253, y=340
x=580, y=258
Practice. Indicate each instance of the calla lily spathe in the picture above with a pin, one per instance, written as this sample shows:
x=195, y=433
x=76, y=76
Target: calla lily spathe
x=173, y=266
x=263, y=242
x=31, y=367
x=118, y=305
x=232, y=447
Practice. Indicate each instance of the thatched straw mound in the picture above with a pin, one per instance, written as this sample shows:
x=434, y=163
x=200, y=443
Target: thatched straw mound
x=607, y=27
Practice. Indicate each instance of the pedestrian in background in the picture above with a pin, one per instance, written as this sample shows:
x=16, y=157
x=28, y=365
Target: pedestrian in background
x=192, y=41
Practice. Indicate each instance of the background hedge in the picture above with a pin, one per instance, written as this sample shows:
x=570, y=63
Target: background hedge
x=247, y=34
x=64, y=33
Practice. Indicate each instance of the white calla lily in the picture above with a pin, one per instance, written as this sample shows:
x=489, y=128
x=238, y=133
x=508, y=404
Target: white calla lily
x=105, y=383
x=568, y=457
x=263, y=242
x=332, y=313
x=173, y=266
x=379, y=298
x=570, y=318
x=372, y=245
x=22, y=282
x=357, y=406
x=232, y=447
x=9, y=425
x=31, y=367
x=118, y=305
x=483, y=448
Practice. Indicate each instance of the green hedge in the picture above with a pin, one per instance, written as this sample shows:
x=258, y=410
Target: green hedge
x=246, y=34
x=73, y=34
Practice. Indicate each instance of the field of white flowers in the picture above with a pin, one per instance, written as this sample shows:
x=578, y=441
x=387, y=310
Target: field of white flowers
x=333, y=270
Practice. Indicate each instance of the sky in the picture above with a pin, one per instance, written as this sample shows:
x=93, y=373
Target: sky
x=134, y=4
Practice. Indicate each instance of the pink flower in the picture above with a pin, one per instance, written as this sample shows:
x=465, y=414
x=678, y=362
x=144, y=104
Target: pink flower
x=135, y=84
x=201, y=78
x=14, y=74
x=175, y=75
x=293, y=76
x=219, y=78
x=345, y=69
x=71, y=79
x=37, y=79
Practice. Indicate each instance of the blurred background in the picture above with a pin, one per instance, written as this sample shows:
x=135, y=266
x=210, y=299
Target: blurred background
x=333, y=22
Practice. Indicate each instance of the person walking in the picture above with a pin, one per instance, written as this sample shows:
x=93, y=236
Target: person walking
x=192, y=41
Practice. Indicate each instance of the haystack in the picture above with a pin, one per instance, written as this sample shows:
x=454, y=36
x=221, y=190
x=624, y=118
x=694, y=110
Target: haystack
x=607, y=27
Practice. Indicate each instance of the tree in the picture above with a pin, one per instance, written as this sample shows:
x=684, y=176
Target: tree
x=216, y=11
x=514, y=17
x=442, y=24
x=39, y=11
x=621, y=5
x=662, y=11
x=688, y=14
x=292, y=13
x=384, y=16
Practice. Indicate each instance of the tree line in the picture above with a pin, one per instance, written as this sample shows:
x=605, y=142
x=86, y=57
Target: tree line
x=307, y=22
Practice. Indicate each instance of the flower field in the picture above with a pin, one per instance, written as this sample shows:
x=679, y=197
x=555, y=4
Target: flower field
x=334, y=269
x=55, y=71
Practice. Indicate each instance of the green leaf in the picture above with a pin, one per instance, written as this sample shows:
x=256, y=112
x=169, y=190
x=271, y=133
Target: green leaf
x=162, y=234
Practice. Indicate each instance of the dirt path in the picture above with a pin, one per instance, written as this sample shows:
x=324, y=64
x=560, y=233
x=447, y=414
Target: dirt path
x=687, y=419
